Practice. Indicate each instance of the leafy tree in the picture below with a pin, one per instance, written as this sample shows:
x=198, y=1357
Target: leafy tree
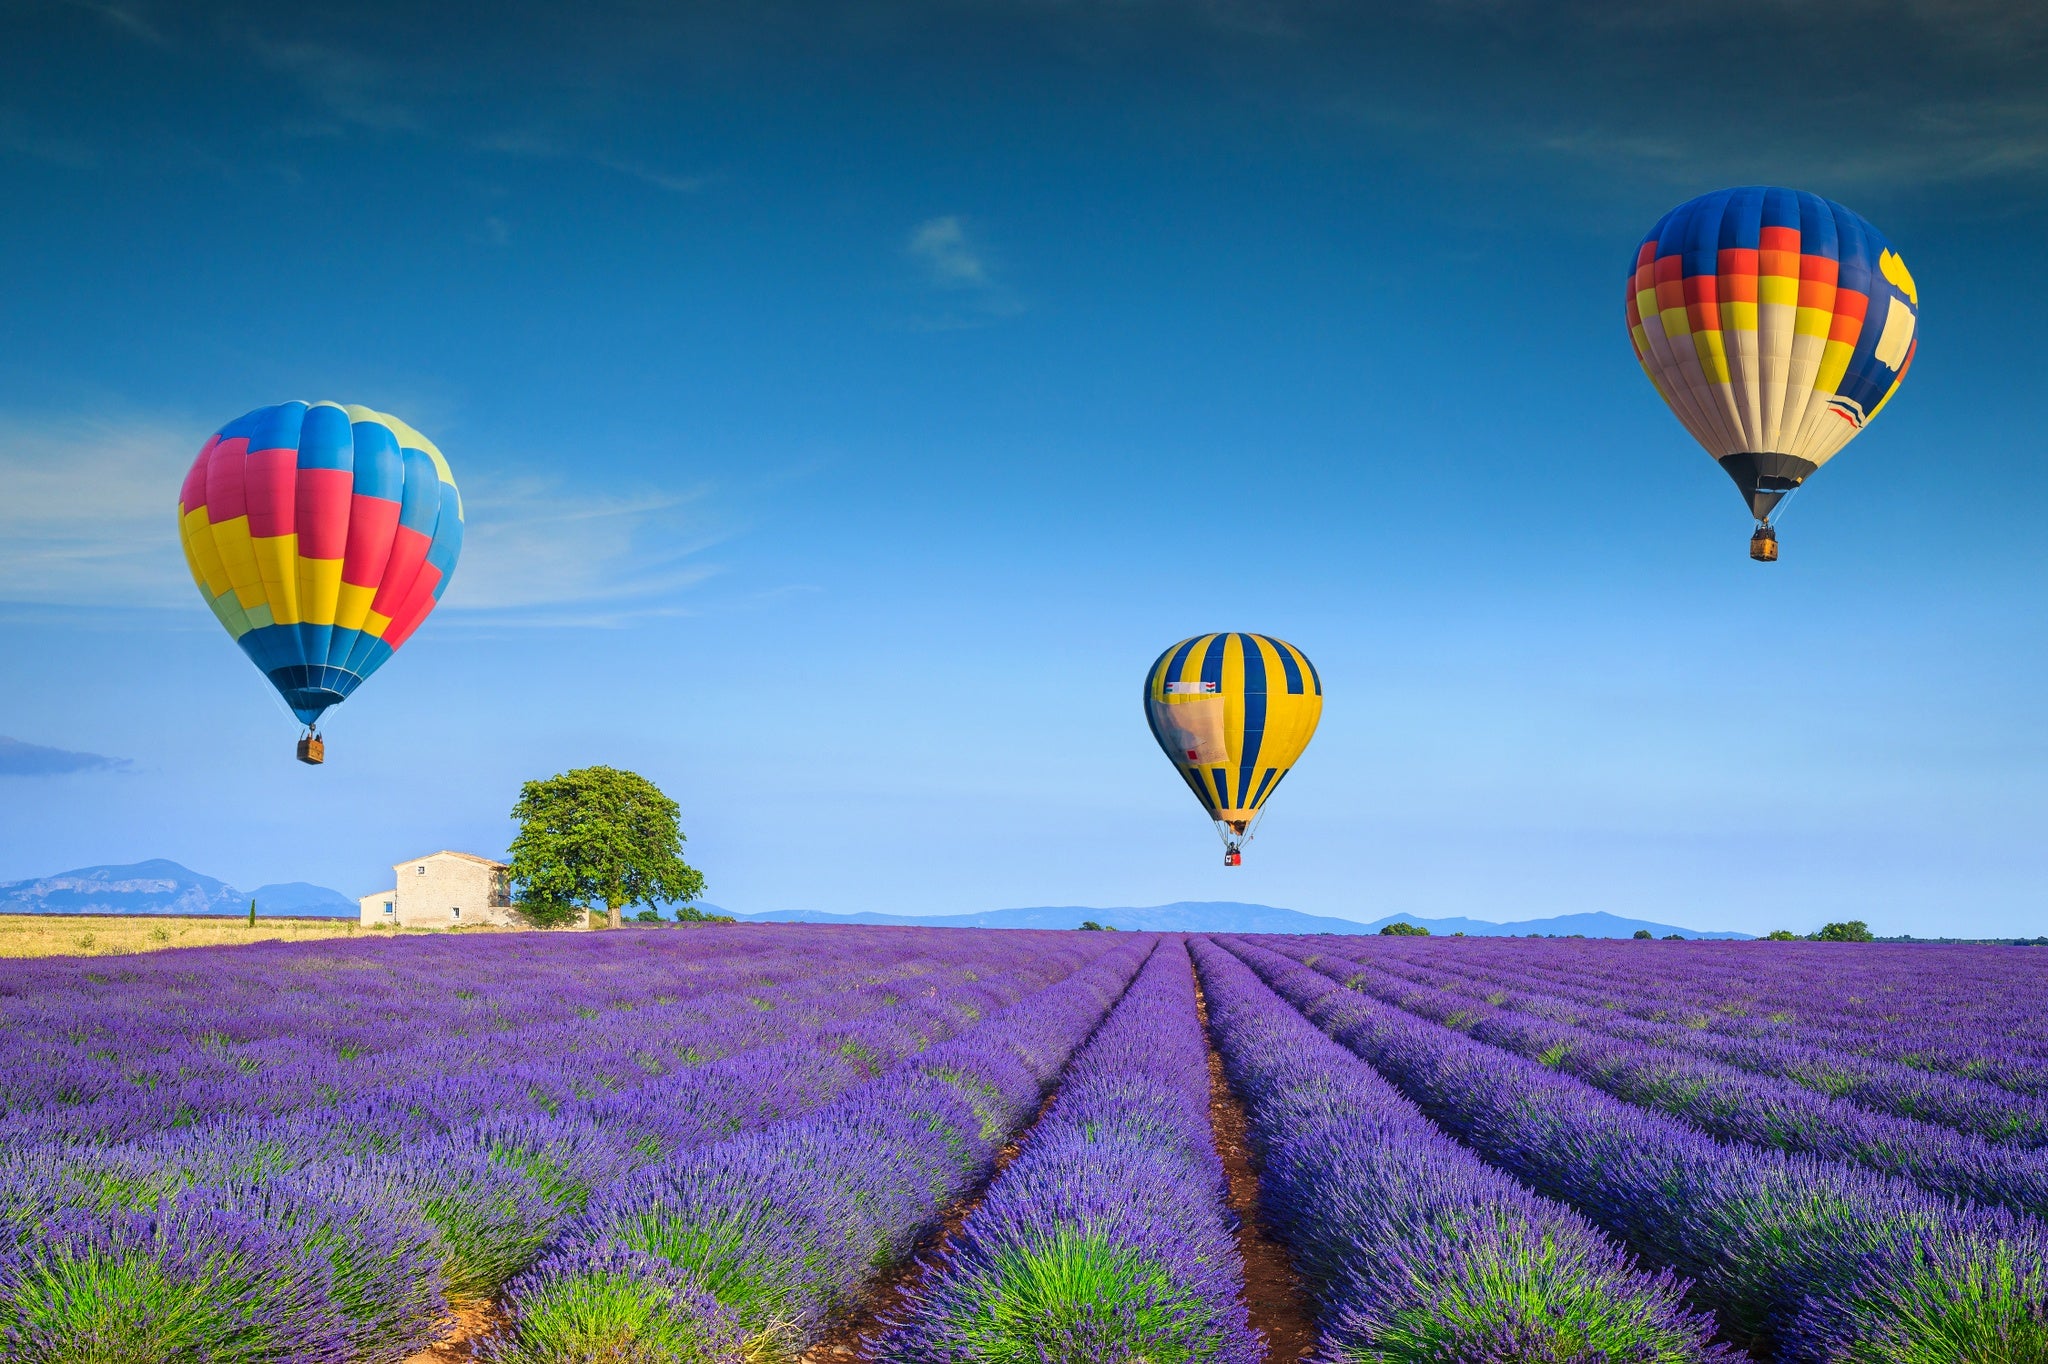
x=1642, y=933
x=1674, y=937
x=597, y=836
x=1401, y=928
x=1781, y=935
x=1090, y=926
x=1855, y=930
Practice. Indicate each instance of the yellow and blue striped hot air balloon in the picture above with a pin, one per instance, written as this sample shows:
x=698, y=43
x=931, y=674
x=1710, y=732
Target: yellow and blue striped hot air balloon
x=1775, y=324
x=1233, y=713
x=321, y=536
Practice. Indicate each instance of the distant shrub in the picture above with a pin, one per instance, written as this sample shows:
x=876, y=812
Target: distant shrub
x=1674, y=937
x=1781, y=935
x=684, y=914
x=1401, y=928
x=1854, y=930
x=1642, y=933
x=1090, y=926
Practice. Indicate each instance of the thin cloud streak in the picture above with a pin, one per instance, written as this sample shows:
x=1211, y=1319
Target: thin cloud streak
x=88, y=520
x=535, y=543
x=19, y=758
x=88, y=512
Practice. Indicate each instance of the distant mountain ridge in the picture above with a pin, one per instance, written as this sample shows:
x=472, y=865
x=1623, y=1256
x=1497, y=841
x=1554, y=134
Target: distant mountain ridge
x=1230, y=916
x=161, y=886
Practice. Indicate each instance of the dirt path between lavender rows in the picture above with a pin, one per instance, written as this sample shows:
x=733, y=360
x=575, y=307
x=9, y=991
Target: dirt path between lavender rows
x=1272, y=1288
x=465, y=1333
x=843, y=1342
x=1273, y=1292
x=472, y=1324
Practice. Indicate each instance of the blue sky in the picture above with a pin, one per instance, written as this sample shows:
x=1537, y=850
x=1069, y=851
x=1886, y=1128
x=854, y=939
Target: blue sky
x=849, y=406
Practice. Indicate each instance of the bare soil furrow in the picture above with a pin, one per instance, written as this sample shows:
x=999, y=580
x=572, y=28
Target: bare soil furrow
x=1273, y=1293
x=850, y=1332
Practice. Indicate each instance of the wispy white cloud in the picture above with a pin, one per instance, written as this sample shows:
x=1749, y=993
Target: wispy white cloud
x=88, y=519
x=660, y=179
x=128, y=20
x=534, y=547
x=88, y=511
x=535, y=144
x=956, y=266
x=348, y=85
x=941, y=245
x=1934, y=91
x=20, y=136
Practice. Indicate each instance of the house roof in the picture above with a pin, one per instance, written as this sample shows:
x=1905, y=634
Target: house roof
x=447, y=852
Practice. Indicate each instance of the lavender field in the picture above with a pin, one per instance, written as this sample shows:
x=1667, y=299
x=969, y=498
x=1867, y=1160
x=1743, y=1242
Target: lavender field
x=753, y=1144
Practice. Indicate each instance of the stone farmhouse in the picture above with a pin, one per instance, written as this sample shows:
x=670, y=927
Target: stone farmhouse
x=443, y=890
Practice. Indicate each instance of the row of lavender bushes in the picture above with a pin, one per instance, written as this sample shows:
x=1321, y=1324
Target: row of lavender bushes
x=338, y=1232
x=109, y=1049
x=744, y=1250
x=1635, y=1007
x=1110, y=1236
x=1727, y=1102
x=1415, y=1250
x=1801, y=1258
x=1975, y=1012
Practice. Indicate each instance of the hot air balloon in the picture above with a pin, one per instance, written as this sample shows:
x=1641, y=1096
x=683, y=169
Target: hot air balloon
x=321, y=536
x=1776, y=324
x=1233, y=713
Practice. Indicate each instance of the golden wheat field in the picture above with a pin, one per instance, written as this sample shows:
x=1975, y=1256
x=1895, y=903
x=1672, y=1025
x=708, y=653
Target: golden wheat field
x=100, y=935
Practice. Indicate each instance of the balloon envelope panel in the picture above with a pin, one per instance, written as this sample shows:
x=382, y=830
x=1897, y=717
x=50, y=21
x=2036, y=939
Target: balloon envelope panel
x=321, y=535
x=1233, y=713
x=1775, y=324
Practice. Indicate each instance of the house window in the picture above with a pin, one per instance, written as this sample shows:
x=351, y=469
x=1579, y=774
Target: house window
x=457, y=911
x=420, y=870
x=387, y=906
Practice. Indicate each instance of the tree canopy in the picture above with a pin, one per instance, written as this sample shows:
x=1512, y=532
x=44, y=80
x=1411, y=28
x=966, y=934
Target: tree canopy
x=1853, y=930
x=597, y=837
x=1404, y=929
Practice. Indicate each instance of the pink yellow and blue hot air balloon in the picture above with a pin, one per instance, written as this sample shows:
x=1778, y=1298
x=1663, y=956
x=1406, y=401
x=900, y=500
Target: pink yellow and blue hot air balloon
x=321, y=535
x=1776, y=324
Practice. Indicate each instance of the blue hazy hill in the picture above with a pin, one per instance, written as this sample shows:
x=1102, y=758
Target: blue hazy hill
x=1230, y=916
x=161, y=886
x=302, y=898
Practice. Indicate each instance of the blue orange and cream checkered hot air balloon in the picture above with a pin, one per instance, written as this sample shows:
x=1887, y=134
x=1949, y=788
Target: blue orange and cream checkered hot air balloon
x=1233, y=713
x=321, y=536
x=1776, y=324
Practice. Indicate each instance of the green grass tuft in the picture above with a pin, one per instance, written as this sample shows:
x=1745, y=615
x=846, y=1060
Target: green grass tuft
x=1078, y=1298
